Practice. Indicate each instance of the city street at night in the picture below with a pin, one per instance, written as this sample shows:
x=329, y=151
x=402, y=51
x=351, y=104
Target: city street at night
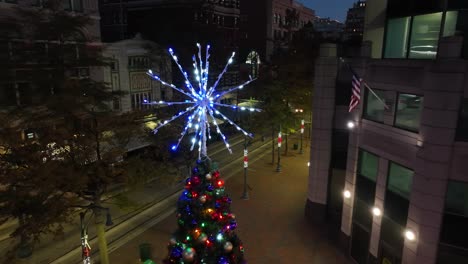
x=271, y=223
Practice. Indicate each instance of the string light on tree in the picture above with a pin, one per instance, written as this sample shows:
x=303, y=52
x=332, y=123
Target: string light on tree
x=203, y=102
x=206, y=227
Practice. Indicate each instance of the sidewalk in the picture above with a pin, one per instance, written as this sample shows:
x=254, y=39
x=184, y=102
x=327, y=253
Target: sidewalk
x=271, y=223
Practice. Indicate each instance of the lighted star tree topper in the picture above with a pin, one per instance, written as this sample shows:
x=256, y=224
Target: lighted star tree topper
x=202, y=103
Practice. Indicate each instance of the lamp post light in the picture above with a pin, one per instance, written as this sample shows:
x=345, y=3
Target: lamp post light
x=302, y=134
x=245, y=196
x=85, y=247
x=280, y=140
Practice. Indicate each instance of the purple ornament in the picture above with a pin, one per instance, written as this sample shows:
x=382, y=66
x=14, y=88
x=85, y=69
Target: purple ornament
x=210, y=187
x=223, y=260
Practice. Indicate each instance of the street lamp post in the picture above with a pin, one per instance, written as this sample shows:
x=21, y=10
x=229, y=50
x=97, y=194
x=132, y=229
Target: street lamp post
x=245, y=196
x=280, y=139
x=302, y=134
x=85, y=247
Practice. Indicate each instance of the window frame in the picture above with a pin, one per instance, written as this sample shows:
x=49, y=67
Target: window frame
x=364, y=116
x=446, y=245
x=395, y=106
x=410, y=32
x=388, y=175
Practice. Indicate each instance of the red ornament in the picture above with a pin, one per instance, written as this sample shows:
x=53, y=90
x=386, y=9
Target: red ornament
x=220, y=183
x=188, y=185
x=195, y=180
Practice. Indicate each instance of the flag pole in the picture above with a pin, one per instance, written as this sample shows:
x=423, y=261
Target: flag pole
x=376, y=96
x=365, y=83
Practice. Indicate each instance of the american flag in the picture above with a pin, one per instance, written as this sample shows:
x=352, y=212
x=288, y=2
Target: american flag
x=355, y=92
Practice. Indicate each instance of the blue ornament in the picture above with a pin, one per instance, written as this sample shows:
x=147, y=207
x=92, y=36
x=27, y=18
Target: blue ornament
x=210, y=187
x=176, y=252
x=223, y=260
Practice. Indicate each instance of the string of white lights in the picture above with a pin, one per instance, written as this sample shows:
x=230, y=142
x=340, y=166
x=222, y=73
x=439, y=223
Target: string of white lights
x=204, y=102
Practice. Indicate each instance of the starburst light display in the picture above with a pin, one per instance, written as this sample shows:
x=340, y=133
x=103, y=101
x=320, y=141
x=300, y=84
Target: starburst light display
x=203, y=106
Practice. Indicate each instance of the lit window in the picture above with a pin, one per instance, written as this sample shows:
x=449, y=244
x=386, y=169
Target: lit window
x=450, y=23
x=373, y=107
x=400, y=180
x=425, y=36
x=408, y=112
x=397, y=37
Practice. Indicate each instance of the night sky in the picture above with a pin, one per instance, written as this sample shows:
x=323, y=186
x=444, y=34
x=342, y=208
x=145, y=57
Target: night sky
x=330, y=8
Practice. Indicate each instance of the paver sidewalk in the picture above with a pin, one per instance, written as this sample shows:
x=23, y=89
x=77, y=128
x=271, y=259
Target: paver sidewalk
x=271, y=223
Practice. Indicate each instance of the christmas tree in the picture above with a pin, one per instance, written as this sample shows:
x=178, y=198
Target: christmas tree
x=206, y=227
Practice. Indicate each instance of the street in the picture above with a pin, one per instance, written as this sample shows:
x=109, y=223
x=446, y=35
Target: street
x=271, y=223
x=145, y=207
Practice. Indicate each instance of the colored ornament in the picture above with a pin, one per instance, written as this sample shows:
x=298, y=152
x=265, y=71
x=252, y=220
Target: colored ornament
x=223, y=260
x=228, y=247
x=195, y=180
x=202, y=238
x=202, y=198
x=176, y=252
x=209, y=188
x=188, y=254
x=208, y=176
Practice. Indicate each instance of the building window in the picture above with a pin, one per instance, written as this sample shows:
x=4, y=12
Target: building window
x=138, y=62
x=408, y=112
x=365, y=186
x=141, y=100
x=453, y=246
x=425, y=36
x=114, y=65
x=396, y=206
x=396, y=41
x=399, y=184
x=368, y=165
x=73, y=5
x=450, y=25
x=253, y=60
x=363, y=202
x=400, y=180
x=462, y=128
x=373, y=107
